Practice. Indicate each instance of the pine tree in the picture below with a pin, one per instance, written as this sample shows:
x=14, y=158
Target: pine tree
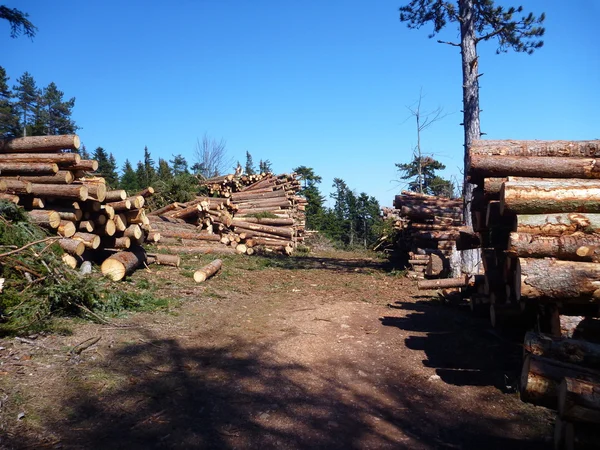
x=149, y=170
x=19, y=22
x=249, y=170
x=56, y=113
x=27, y=95
x=265, y=166
x=179, y=165
x=84, y=153
x=478, y=21
x=421, y=173
x=164, y=172
x=9, y=119
x=129, y=180
x=107, y=167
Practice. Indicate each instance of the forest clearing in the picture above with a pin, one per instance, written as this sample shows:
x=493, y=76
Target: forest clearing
x=332, y=350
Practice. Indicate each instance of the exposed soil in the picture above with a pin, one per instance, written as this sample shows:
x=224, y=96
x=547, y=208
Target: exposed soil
x=328, y=351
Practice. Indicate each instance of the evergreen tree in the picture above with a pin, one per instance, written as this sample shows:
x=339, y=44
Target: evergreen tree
x=84, y=153
x=265, y=166
x=164, y=171
x=27, y=96
x=107, y=167
x=129, y=180
x=421, y=174
x=249, y=170
x=56, y=113
x=9, y=118
x=179, y=165
x=315, y=207
x=19, y=22
x=149, y=170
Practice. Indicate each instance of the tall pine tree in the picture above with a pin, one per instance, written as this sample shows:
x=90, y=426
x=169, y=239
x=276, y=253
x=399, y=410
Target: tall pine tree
x=9, y=119
x=477, y=21
x=129, y=179
x=27, y=98
x=56, y=112
x=107, y=167
x=249, y=169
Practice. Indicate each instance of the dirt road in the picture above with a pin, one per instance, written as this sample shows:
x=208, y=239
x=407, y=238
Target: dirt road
x=323, y=352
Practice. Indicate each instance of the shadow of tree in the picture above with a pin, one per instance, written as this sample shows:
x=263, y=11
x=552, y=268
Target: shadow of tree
x=168, y=393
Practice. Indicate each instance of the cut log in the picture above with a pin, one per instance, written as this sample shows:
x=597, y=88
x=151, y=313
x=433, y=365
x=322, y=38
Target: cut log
x=165, y=209
x=207, y=271
x=578, y=247
x=66, y=228
x=45, y=218
x=15, y=187
x=579, y=400
x=85, y=165
x=551, y=279
x=557, y=224
x=71, y=214
x=116, y=195
x=543, y=197
x=70, y=260
x=121, y=205
x=541, y=377
x=148, y=192
x=63, y=191
x=163, y=259
x=116, y=242
x=424, y=213
x=60, y=177
x=61, y=159
x=87, y=226
x=134, y=232
x=278, y=231
x=32, y=144
x=533, y=166
x=574, y=351
x=96, y=191
x=581, y=149
x=89, y=240
x=418, y=262
x=117, y=266
x=72, y=246
x=9, y=198
x=29, y=168
x=186, y=213
x=196, y=236
x=444, y=283
x=435, y=265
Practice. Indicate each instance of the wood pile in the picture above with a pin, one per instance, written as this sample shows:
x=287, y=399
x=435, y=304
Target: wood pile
x=46, y=176
x=537, y=212
x=245, y=214
x=428, y=228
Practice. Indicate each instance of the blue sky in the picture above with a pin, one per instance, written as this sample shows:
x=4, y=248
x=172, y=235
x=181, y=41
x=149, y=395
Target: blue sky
x=321, y=83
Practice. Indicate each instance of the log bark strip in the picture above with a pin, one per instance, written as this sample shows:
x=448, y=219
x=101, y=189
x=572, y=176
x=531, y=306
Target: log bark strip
x=207, y=271
x=163, y=259
x=557, y=224
x=570, y=247
x=581, y=149
x=531, y=166
x=68, y=191
x=16, y=168
x=537, y=197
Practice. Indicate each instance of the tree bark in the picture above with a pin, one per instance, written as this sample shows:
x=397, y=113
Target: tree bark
x=574, y=351
x=15, y=187
x=60, y=177
x=116, y=242
x=86, y=165
x=115, y=195
x=551, y=279
x=570, y=247
x=581, y=149
x=66, y=228
x=164, y=260
x=279, y=231
x=207, y=271
x=66, y=160
x=523, y=166
x=46, y=218
x=90, y=240
x=30, y=168
x=557, y=224
x=68, y=191
x=33, y=144
x=444, y=283
x=72, y=246
x=543, y=197
x=417, y=212
x=196, y=236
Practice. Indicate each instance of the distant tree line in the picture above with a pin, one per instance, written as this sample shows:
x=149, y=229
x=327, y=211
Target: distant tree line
x=354, y=220
x=27, y=110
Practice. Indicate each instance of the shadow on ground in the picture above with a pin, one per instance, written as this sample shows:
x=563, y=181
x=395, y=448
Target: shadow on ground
x=161, y=394
x=463, y=349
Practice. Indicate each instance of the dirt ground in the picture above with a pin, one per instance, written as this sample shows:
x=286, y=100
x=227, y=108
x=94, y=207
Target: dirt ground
x=331, y=351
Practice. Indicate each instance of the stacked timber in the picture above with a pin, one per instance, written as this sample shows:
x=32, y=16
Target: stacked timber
x=537, y=210
x=428, y=228
x=265, y=215
x=49, y=179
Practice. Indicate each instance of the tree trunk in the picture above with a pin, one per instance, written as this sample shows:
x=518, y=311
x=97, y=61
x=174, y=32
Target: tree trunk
x=207, y=271
x=120, y=264
x=164, y=260
x=60, y=177
x=45, y=218
x=86, y=165
x=66, y=228
x=543, y=197
x=61, y=159
x=72, y=246
x=91, y=241
x=15, y=187
x=581, y=149
x=116, y=242
x=570, y=247
x=579, y=401
x=551, y=279
x=557, y=224
x=116, y=195
x=470, y=258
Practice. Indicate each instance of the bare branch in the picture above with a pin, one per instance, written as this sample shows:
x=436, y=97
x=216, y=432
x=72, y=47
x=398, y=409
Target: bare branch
x=453, y=44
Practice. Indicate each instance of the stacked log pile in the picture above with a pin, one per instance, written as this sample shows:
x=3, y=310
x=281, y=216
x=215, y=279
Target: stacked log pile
x=250, y=213
x=428, y=228
x=537, y=211
x=46, y=176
